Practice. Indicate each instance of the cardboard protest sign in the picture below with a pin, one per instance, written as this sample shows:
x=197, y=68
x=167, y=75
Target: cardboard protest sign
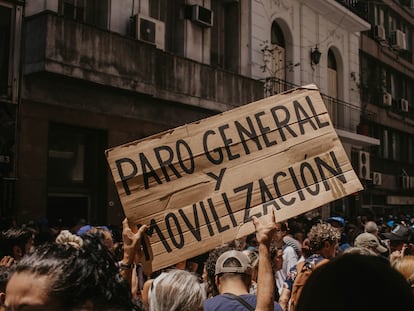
x=197, y=185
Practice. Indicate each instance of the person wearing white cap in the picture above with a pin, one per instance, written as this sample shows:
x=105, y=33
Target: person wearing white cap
x=370, y=241
x=372, y=227
x=233, y=277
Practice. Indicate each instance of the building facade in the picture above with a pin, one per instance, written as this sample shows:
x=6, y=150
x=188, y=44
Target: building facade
x=387, y=89
x=94, y=74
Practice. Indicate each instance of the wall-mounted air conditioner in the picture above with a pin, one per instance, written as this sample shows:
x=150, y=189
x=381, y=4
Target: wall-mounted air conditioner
x=201, y=16
x=403, y=104
x=149, y=30
x=398, y=40
x=364, y=170
x=379, y=33
x=376, y=178
x=387, y=99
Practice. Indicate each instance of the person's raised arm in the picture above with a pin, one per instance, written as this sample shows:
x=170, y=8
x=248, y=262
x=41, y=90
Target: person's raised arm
x=131, y=244
x=265, y=279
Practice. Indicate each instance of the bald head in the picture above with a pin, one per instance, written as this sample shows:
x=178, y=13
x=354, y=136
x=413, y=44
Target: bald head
x=371, y=227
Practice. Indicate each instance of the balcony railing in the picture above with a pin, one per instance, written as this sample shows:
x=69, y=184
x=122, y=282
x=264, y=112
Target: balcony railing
x=357, y=7
x=344, y=115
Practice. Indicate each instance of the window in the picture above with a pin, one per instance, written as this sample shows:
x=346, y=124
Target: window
x=384, y=144
x=333, y=88
x=392, y=85
x=157, y=9
x=73, y=156
x=277, y=37
x=278, y=48
x=332, y=75
x=225, y=35
x=5, y=48
x=410, y=150
x=76, y=172
x=93, y=12
x=392, y=23
x=74, y=9
x=171, y=13
x=395, y=144
x=66, y=164
x=378, y=15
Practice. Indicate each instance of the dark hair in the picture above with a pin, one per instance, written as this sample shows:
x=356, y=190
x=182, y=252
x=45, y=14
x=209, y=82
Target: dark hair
x=79, y=274
x=284, y=226
x=356, y=282
x=4, y=277
x=210, y=266
x=15, y=237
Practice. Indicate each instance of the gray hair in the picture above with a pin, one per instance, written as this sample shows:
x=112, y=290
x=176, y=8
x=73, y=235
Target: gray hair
x=176, y=290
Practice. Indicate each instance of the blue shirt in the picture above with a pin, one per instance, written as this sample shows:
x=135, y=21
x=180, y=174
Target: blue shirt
x=225, y=303
x=314, y=259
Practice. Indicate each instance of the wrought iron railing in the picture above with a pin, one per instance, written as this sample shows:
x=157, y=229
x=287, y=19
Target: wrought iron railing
x=357, y=7
x=344, y=115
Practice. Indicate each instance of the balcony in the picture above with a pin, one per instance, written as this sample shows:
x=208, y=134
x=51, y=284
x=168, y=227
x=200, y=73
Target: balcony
x=357, y=7
x=63, y=47
x=347, y=14
x=344, y=116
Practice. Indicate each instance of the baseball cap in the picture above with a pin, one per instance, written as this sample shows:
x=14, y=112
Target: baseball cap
x=398, y=233
x=337, y=219
x=370, y=241
x=243, y=263
x=86, y=228
x=83, y=229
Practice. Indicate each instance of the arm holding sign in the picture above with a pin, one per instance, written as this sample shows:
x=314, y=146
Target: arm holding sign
x=265, y=279
x=132, y=243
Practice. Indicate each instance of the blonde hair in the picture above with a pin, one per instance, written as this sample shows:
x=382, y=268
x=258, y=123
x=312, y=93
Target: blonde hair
x=405, y=265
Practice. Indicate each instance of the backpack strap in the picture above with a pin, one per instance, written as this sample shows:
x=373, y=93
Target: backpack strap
x=241, y=300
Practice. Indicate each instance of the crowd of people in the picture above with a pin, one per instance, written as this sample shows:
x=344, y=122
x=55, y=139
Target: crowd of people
x=297, y=264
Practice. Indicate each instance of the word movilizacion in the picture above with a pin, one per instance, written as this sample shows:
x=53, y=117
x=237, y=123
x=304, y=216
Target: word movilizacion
x=262, y=129
x=308, y=180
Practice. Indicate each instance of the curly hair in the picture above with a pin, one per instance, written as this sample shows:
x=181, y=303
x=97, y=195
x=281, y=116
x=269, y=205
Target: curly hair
x=321, y=233
x=210, y=267
x=79, y=274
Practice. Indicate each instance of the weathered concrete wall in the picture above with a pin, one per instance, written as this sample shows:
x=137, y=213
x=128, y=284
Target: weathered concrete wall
x=75, y=50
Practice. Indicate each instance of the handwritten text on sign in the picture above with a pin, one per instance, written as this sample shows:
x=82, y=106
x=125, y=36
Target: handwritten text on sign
x=198, y=185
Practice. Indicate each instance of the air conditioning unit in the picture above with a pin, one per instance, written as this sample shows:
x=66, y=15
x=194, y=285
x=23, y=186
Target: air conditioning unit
x=376, y=178
x=201, y=16
x=387, y=99
x=398, y=40
x=403, y=104
x=364, y=171
x=379, y=33
x=149, y=30
x=405, y=182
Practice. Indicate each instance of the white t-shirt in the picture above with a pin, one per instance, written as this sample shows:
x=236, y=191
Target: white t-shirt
x=290, y=259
